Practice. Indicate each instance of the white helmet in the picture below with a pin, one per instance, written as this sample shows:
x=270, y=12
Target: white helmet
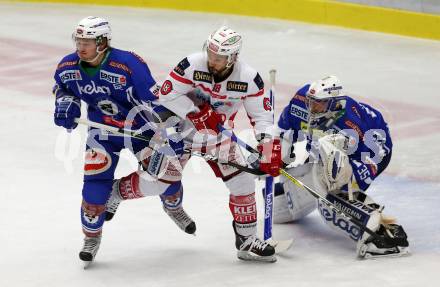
x=225, y=42
x=93, y=28
x=327, y=90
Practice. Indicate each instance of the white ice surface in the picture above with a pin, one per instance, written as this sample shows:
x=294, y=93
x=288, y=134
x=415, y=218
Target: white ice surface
x=41, y=177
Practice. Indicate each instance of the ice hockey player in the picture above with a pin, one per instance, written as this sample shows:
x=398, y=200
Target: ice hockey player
x=117, y=87
x=207, y=89
x=337, y=146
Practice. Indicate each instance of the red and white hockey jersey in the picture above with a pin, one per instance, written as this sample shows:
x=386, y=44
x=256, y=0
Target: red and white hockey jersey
x=190, y=83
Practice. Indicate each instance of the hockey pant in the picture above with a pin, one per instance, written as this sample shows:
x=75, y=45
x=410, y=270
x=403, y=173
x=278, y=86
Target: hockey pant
x=101, y=159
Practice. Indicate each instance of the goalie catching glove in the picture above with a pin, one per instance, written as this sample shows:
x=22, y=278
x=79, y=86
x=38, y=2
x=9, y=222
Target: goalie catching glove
x=334, y=161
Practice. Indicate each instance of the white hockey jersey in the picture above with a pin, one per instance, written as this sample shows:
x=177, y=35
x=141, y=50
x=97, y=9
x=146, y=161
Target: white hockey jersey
x=190, y=83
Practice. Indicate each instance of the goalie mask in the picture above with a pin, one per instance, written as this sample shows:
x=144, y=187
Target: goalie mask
x=323, y=97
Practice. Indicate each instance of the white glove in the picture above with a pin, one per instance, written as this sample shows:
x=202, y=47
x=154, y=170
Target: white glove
x=334, y=162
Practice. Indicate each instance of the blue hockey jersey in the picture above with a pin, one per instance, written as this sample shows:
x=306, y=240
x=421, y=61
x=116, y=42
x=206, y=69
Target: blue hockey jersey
x=370, y=141
x=122, y=82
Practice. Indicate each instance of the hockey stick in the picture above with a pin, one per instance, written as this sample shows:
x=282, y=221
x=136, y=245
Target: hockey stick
x=137, y=135
x=269, y=183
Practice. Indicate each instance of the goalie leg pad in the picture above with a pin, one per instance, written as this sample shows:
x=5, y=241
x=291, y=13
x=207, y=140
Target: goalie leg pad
x=299, y=202
x=281, y=212
x=368, y=216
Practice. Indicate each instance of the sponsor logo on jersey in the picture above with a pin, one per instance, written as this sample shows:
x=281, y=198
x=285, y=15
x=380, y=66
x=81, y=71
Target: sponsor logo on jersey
x=119, y=66
x=96, y=161
x=167, y=87
x=92, y=88
x=202, y=77
x=353, y=108
x=299, y=112
x=70, y=75
x=237, y=86
x=300, y=98
x=182, y=66
x=65, y=64
x=155, y=90
x=138, y=57
x=116, y=79
x=355, y=127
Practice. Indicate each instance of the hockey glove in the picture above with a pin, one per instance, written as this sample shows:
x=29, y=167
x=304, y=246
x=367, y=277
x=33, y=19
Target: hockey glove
x=67, y=108
x=206, y=120
x=270, y=155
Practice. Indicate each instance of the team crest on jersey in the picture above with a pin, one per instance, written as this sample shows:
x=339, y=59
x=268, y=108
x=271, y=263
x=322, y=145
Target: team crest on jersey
x=202, y=77
x=107, y=107
x=96, y=161
x=70, y=75
x=167, y=87
x=299, y=112
x=117, y=80
x=267, y=104
x=182, y=66
x=235, y=86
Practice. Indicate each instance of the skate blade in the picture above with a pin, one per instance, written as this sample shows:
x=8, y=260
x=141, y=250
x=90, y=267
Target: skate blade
x=281, y=245
x=87, y=264
x=402, y=252
x=248, y=256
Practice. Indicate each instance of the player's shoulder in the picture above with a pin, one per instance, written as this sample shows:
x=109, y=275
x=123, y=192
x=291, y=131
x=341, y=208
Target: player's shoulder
x=126, y=57
x=248, y=74
x=196, y=58
x=193, y=61
x=362, y=110
x=68, y=61
x=125, y=62
x=299, y=98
